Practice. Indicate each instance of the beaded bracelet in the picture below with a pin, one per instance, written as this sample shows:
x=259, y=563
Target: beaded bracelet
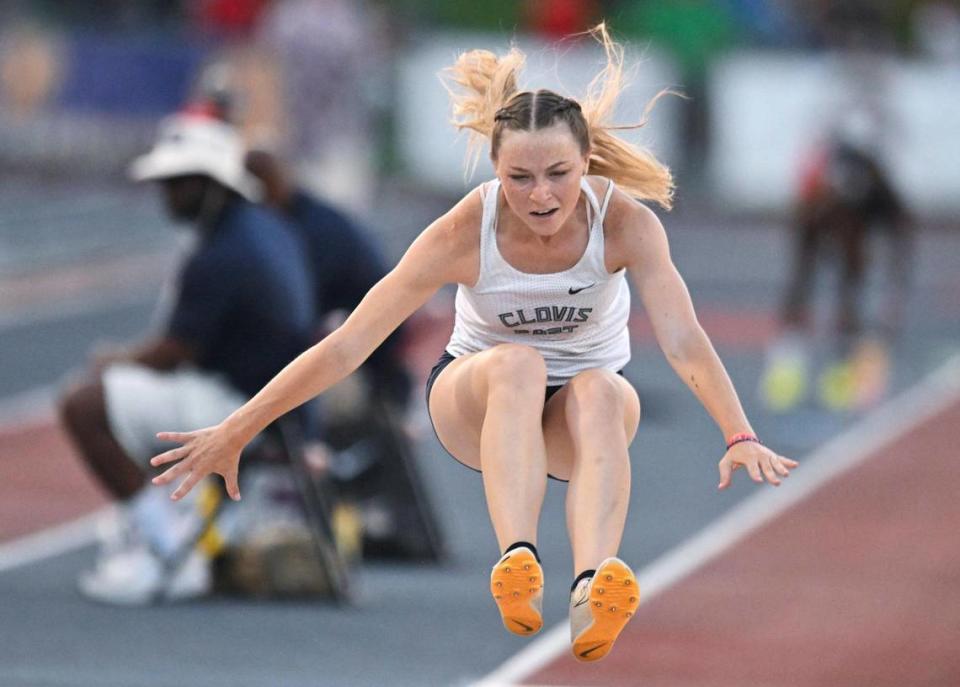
x=740, y=438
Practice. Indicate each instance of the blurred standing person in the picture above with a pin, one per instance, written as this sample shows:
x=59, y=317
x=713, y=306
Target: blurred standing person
x=846, y=197
x=345, y=264
x=528, y=387
x=242, y=308
x=326, y=51
x=846, y=200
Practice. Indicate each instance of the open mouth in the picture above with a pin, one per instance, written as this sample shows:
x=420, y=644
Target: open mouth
x=544, y=213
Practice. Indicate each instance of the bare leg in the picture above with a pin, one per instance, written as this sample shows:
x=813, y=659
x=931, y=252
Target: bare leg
x=795, y=312
x=487, y=409
x=854, y=247
x=512, y=453
x=589, y=425
x=83, y=412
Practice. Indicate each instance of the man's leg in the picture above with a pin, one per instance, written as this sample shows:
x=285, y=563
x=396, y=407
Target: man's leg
x=83, y=413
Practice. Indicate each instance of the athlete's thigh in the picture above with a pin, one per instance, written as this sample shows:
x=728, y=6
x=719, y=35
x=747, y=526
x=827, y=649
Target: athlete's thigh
x=556, y=430
x=458, y=405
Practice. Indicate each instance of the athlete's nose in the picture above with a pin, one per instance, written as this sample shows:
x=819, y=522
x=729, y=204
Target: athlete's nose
x=540, y=193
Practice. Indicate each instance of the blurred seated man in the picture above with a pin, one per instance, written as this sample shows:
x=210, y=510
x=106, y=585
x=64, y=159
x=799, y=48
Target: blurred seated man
x=345, y=264
x=242, y=308
x=845, y=198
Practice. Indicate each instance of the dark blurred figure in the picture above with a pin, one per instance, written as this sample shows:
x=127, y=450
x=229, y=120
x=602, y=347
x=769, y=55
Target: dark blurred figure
x=846, y=196
x=375, y=464
x=344, y=262
x=242, y=308
x=852, y=25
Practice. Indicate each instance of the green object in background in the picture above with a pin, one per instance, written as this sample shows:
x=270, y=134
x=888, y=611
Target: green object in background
x=487, y=15
x=784, y=385
x=837, y=387
x=693, y=31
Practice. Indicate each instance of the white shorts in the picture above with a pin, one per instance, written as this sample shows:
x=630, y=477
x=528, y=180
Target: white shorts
x=142, y=401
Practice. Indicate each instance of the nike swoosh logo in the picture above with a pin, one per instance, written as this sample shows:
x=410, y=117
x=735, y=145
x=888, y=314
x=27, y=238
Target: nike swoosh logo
x=523, y=625
x=581, y=601
x=584, y=654
x=573, y=291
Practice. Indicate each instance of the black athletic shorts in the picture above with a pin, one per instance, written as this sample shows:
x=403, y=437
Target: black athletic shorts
x=447, y=358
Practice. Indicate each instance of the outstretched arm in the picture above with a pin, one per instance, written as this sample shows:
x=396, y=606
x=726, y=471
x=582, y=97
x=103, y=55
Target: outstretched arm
x=442, y=254
x=641, y=244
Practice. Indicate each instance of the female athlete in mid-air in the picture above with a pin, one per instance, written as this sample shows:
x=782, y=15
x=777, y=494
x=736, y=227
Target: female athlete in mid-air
x=528, y=386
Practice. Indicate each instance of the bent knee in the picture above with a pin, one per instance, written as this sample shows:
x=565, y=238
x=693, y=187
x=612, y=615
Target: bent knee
x=601, y=396
x=598, y=390
x=516, y=364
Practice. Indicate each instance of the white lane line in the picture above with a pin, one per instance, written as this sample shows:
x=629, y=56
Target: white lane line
x=893, y=420
x=53, y=541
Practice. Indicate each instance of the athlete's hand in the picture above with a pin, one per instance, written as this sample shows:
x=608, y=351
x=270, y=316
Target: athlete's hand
x=203, y=452
x=760, y=462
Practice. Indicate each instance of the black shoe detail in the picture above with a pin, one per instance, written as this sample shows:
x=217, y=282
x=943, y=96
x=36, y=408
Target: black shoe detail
x=525, y=544
x=584, y=574
x=584, y=654
x=526, y=627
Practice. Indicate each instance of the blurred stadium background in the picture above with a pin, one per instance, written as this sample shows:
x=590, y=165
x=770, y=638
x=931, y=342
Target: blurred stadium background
x=348, y=91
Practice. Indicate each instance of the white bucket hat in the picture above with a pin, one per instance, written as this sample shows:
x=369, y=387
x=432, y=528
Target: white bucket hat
x=196, y=144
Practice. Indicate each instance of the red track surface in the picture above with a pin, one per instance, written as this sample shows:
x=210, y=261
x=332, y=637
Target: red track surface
x=42, y=483
x=858, y=584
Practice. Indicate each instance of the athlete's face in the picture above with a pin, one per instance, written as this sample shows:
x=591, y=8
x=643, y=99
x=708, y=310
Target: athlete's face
x=540, y=172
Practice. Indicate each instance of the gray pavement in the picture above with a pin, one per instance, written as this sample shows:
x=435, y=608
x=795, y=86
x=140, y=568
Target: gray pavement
x=41, y=352
x=417, y=625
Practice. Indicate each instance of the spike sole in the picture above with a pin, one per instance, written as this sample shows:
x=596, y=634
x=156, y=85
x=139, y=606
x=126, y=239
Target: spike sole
x=614, y=598
x=516, y=584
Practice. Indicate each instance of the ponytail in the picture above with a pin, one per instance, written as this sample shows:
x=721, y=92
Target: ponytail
x=486, y=82
x=635, y=170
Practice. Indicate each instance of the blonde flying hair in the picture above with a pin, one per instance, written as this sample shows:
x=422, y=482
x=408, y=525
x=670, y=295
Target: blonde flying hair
x=487, y=101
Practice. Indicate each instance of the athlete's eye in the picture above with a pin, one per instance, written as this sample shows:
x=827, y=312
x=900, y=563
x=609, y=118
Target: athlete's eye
x=559, y=173
x=519, y=177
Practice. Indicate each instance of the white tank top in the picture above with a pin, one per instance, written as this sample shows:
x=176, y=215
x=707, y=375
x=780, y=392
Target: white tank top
x=576, y=319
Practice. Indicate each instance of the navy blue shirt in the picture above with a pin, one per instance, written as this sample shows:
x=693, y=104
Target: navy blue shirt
x=345, y=264
x=344, y=261
x=246, y=301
